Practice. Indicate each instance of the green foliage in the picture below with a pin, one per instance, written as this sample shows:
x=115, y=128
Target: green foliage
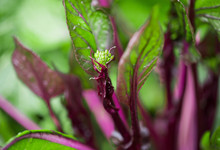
x=140, y=56
x=27, y=140
x=211, y=142
x=188, y=31
x=36, y=144
x=215, y=140
x=205, y=141
x=90, y=29
x=209, y=11
x=184, y=19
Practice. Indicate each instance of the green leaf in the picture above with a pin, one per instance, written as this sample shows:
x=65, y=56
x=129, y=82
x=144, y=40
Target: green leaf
x=102, y=29
x=209, y=11
x=205, y=141
x=182, y=13
x=44, y=139
x=194, y=55
x=140, y=57
x=215, y=140
x=90, y=29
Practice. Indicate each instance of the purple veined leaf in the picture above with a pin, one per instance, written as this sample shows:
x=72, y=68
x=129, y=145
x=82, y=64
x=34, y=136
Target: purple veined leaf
x=135, y=65
x=44, y=139
x=90, y=29
x=140, y=57
x=81, y=123
x=104, y=120
x=31, y=70
x=187, y=136
x=17, y=115
x=209, y=11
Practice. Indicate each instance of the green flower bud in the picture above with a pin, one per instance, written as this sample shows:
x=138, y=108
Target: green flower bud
x=103, y=57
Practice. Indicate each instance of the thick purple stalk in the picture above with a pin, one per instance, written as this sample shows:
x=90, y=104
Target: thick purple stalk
x=105, y=91
x=133, y=109
x=121, y=128
x=150, y=126
x=16, y=115
x=181, y=83
x=170, y=140
x=104, y=120
x=187, y=138
x=120, y=111
x=193, y=67
x=52, y=138
x=167, y=65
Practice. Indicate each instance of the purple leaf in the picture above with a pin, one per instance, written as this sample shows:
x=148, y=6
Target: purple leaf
x=16, y=115
x=79, y=116
x=53, y=140
x=43, y=81
x=104, y=120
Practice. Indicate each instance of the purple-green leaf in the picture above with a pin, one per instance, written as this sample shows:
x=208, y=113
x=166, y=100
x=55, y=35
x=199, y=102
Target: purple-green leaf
x=140, y=57
x=30, y=69
x=44, y=139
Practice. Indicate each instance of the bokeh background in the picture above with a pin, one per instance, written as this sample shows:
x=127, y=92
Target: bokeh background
x=40, y=25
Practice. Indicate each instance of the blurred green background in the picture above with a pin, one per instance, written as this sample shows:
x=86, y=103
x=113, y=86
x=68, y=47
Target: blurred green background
x=40, y=25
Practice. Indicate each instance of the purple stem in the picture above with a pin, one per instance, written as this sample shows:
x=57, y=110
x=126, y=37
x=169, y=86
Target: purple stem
x=55, y=138
x=193, y=68
x=187, y=138
x=168, y=61
x=181, y=83
x=116, y=38
x=104, y=120
x=147, y=119
x=133, y=109
x=104, y=3
x=54, y=117
x=192, y=13
x=120, y=111
x=16, y=115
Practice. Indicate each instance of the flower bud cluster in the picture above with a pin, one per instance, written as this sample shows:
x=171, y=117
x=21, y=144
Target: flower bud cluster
x=103, y=57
